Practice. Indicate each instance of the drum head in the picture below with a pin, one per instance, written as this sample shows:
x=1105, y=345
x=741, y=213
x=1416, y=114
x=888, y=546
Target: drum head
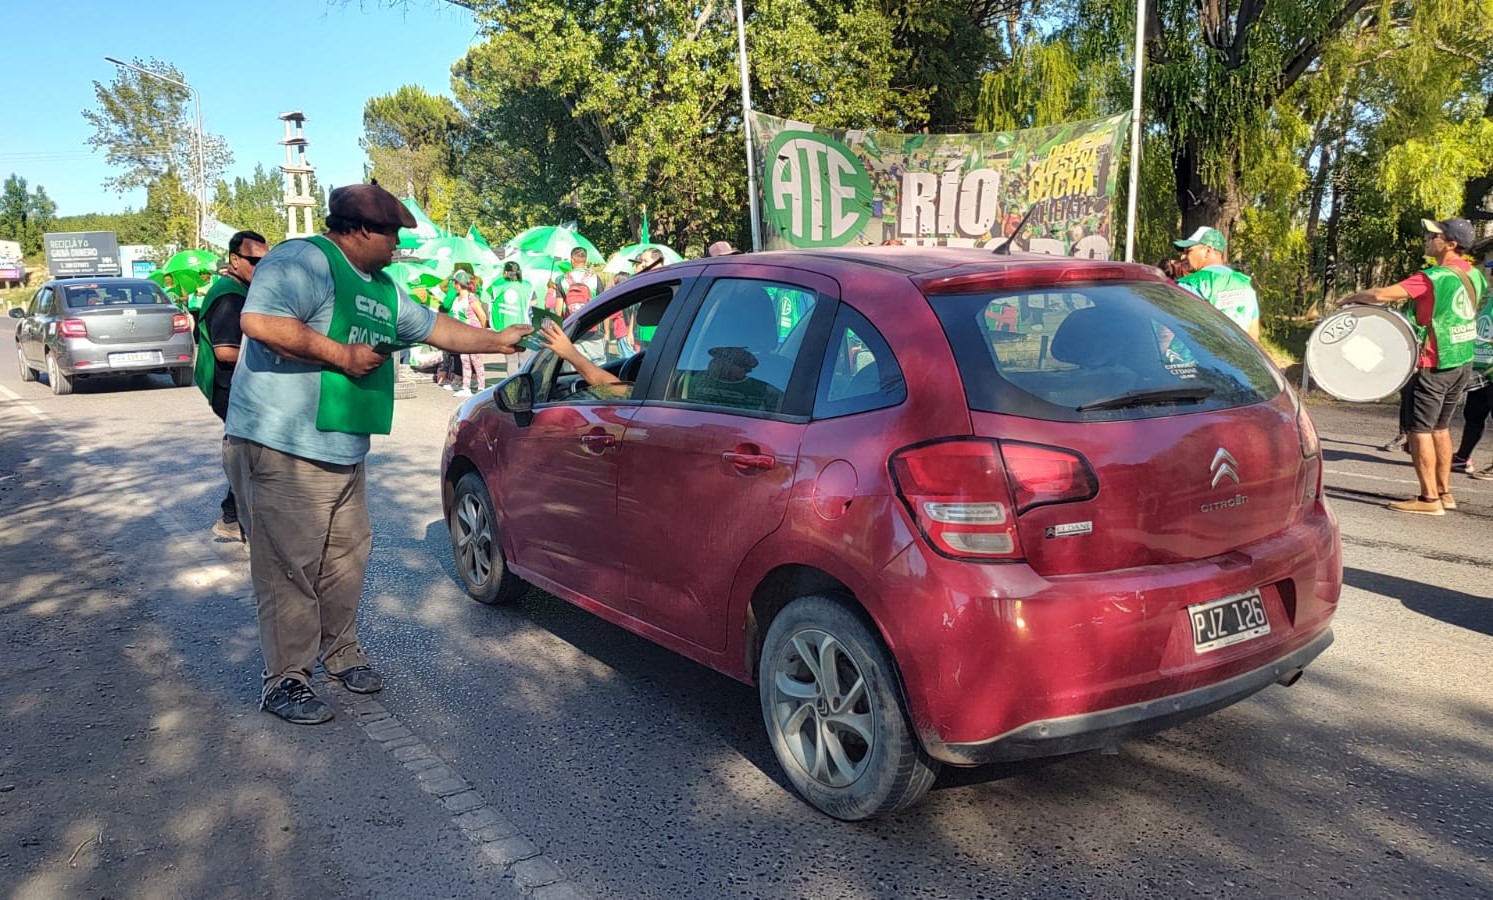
x=1362, y=353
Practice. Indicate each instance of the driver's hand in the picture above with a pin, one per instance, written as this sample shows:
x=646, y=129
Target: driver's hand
x=553, y=337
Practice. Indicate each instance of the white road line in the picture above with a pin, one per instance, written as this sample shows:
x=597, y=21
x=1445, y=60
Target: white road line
x=1370, y=477
x=22, y=403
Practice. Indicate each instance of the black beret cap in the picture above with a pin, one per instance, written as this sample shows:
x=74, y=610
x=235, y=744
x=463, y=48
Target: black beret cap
x=369, y=204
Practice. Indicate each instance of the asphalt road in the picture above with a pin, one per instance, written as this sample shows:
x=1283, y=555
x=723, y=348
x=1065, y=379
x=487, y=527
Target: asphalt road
x=637, y=774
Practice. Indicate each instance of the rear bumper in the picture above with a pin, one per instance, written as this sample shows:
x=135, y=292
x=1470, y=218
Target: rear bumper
x=86, y=358
x=992, y=655
x=1104, y=728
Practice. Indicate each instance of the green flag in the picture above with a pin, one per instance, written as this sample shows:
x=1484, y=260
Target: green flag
x=476, y=236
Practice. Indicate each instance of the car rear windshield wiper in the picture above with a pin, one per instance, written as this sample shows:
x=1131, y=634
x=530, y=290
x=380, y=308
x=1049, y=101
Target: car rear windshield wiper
x=1154, y=395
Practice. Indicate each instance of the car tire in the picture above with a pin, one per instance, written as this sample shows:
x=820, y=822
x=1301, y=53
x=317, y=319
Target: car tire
x=27, y=373
x=181, y=376
x=879, y=766
x=476, y=547
x=61, y=384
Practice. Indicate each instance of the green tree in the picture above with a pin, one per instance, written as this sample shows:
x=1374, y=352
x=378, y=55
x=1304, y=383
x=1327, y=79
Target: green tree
x=256, y=203
x=25, y=215
x=599, y=111
x=130, y=226
x=147, y=131
x=410, y=137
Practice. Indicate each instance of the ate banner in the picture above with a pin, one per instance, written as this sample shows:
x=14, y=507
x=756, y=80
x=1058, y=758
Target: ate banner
x=824, y=187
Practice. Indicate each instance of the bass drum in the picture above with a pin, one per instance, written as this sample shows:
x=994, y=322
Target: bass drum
x=1362, y=353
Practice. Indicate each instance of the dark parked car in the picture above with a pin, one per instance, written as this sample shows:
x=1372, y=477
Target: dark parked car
x=942, y=507
x=79, y=328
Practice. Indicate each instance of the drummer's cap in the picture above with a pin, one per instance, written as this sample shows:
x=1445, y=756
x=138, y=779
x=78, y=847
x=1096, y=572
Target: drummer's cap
x=1208, y=237
x=1459, y=231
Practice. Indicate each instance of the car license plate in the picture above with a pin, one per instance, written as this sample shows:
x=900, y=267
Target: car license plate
x=139, y=356
x=1221, y=623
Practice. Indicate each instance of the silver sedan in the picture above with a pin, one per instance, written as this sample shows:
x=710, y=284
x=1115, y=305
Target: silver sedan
x=79, y=328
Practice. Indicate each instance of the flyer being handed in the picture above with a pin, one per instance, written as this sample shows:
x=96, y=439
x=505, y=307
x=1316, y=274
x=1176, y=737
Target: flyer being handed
x=538, y=315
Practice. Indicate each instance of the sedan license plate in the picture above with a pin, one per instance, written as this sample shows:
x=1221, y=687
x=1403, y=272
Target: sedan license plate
x=140, y=356
x=1221, y=623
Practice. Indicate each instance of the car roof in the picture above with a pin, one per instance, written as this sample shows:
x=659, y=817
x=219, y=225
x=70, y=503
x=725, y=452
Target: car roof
x=100, y=281
x=937, y=267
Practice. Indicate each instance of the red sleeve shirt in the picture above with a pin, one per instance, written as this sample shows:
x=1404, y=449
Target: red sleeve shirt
x=1423, y=295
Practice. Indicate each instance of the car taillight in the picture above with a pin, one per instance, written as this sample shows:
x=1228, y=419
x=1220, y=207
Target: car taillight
x=73, y=328
x=1310, y=444
x=180, y=323
x=965, y=494
x=1311, y=450
x=1042, y=475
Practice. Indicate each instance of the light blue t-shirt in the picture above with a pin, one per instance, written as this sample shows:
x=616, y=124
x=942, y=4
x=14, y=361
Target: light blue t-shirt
x=274, y=398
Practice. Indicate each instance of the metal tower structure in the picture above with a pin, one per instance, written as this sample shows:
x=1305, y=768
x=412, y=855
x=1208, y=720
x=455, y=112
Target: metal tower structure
x=300, y=205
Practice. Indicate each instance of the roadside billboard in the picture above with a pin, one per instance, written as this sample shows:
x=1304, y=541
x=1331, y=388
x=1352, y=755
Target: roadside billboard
x=825, y=187
x=82, y=253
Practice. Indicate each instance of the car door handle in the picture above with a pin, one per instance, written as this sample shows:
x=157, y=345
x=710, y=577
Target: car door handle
x=749, y=460
x=598, y=441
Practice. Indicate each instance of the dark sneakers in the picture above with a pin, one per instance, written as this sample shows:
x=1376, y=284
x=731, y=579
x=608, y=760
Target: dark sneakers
x=359, y=679
x=294, y=701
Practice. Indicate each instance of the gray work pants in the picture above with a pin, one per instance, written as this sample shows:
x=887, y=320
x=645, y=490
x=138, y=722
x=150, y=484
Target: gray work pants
x=309, y=537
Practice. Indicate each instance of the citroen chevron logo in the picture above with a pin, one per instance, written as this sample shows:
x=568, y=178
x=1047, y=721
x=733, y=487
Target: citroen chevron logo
x=1224, y=466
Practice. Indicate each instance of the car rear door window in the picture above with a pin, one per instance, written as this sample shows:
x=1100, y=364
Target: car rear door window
x=742, y=347
x=859, y=372
x=92, y=296
x=1101, y=352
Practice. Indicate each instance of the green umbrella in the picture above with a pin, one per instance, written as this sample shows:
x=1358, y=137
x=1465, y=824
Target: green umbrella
x=621, y=261
x=457, y=250
x=424, y=230
x=184, y=281
x=194, y=260
x=553, y=240
x=405, y=273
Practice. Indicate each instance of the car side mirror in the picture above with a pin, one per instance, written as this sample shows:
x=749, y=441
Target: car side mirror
x=17, y=312
x=516, y=394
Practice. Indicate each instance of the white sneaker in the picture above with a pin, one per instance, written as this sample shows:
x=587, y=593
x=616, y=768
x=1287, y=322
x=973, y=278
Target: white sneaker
x=461, y=393
x=448, y=387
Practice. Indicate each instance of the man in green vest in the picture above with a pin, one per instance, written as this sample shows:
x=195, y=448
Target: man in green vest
x=218, y=337
x=1446, y=296
x=314, y=380
x=1230, y=292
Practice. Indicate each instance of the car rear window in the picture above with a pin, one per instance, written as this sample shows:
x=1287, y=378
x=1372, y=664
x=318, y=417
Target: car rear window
x=1101, y=352
x=84, y=296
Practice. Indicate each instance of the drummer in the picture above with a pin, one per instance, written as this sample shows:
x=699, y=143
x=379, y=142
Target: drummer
x=1446, y=296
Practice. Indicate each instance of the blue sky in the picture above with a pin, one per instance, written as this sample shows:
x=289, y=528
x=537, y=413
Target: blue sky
x=244, y=64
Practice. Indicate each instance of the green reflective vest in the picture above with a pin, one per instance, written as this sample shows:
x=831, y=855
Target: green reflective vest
x=1453, y=320
x=1231, y=293
x=363, y=312
x=206, y=364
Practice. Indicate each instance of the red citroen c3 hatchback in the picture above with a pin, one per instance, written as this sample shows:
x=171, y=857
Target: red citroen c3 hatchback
x=943, y=507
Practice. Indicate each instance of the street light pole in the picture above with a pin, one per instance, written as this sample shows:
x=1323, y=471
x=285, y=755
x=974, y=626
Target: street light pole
x=201, y=169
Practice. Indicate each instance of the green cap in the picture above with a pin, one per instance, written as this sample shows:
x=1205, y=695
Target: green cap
x=1208, y=237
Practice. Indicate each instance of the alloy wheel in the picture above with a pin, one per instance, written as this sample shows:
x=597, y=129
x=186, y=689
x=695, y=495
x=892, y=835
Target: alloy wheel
x=821, y=706
x=474, y=539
